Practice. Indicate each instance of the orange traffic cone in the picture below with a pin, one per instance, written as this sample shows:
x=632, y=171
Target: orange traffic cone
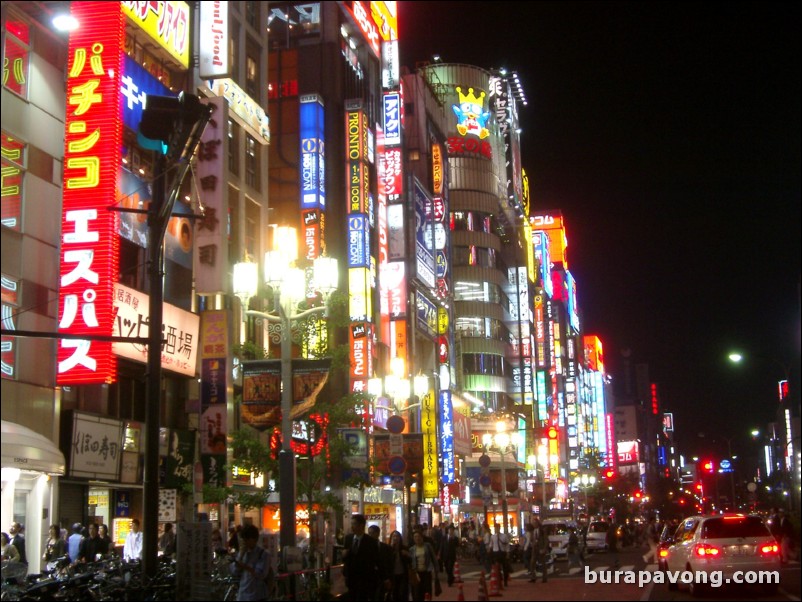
x=494, y=591
x=460, y=593
x=457, y=575
x=482, y=595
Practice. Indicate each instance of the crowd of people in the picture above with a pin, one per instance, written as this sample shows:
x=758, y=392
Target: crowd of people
x=83, y=544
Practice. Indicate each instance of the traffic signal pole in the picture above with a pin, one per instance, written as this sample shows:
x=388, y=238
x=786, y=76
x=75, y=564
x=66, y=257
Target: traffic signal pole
x=172, y=127
x=156, y=228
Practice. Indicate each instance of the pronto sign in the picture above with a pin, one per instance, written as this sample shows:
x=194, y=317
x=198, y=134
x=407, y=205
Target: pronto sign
x=89, y=254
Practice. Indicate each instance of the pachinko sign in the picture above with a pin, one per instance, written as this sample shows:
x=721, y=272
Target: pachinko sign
x=89, y=243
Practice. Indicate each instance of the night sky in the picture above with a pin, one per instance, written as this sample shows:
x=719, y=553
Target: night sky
x=669, y=136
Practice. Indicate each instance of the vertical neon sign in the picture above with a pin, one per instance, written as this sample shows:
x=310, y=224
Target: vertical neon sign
x=89, y=244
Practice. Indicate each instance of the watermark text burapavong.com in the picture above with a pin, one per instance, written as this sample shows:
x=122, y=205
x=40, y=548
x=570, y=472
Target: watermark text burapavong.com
x=712, y=578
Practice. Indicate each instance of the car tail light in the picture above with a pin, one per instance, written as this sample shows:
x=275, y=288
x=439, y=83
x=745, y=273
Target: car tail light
x=769, y=549
x=704, y=550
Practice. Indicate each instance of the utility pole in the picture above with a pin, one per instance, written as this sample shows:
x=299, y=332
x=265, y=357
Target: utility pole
x=172, y=128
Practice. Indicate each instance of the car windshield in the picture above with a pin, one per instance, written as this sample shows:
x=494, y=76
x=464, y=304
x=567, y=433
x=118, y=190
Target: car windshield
x=597, y=528
x=733, y=527
x=560, y=529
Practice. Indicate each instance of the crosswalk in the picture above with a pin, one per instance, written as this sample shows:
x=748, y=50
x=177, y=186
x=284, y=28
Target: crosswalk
x=562, y=572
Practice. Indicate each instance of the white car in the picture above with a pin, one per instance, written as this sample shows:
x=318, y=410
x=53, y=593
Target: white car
x=558, y=530
x=596, y=538
x=726, y=543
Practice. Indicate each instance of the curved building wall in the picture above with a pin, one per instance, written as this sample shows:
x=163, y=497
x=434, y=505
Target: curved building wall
x=477, y=185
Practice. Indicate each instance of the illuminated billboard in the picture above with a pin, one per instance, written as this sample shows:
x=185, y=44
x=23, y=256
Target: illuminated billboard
x=358, y=241
x=540, y=241
x=447, y=436
x=628, y=453
x=424, y=236
x=594, y=353
x=166, y=23
x=89, y=254
x=313, y=184
x=553, y=225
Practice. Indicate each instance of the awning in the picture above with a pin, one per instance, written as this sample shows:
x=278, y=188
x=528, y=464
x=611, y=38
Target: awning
x=28, y=450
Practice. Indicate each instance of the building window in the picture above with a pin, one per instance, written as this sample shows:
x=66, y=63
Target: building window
x=252, y=14
x=252, y=69
x=16, y=49
x=252, y=161
x=14, y=158
x=10, y=304
x=233, y=147
x=252, y=221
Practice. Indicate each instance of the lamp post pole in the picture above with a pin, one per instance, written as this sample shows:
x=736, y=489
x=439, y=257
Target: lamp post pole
x=286, y=457
x=289, y=287
x=504, y=506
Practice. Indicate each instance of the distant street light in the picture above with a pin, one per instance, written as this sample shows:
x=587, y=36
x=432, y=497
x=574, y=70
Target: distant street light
x=502, y=441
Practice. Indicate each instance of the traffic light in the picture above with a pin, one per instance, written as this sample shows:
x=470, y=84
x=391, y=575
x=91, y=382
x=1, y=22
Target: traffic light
x=609, y=473
x=173, y=125
x=552, y=432
x=709, y=466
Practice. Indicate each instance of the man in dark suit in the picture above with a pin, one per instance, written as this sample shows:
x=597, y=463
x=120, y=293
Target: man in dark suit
x=449, y=555
x=361, y=562
x=385, y=560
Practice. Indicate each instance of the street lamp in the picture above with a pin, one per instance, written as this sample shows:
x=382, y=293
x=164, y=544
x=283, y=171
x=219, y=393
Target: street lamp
x=785, y=410
x=585, y=482
x=397, y=386
x=502, y=440
x=289, y=289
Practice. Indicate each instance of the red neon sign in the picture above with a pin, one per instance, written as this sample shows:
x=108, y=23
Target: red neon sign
x=89, y=243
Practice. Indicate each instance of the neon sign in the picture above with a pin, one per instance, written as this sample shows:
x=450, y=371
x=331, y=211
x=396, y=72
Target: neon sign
x=89, y=244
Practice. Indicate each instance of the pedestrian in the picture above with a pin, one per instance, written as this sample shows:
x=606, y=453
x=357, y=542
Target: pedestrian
x=361, y=564
x=785, y=532
x=250, y=565
x=573, y=549
x=218, y=545
x=499, y=546
x=774, y=524
x=16, y=531
x=132, y=550
x=400, y=561
x=385, y=586
x=74, y=542
x=450, y=548
x=8, y=552
x=529, y=545
x=233, y=539
x=484, y=547
x=92, y=547
x=55, y=547
x=103, y=533
x=167, y=541
x=438, y=538
x=425, y=564
x=611, y=539
x=540, y=553
x=652, y=538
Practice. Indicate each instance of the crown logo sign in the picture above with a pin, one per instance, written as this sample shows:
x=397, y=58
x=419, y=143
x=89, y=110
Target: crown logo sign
x=470, y=117
x=470, y=97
